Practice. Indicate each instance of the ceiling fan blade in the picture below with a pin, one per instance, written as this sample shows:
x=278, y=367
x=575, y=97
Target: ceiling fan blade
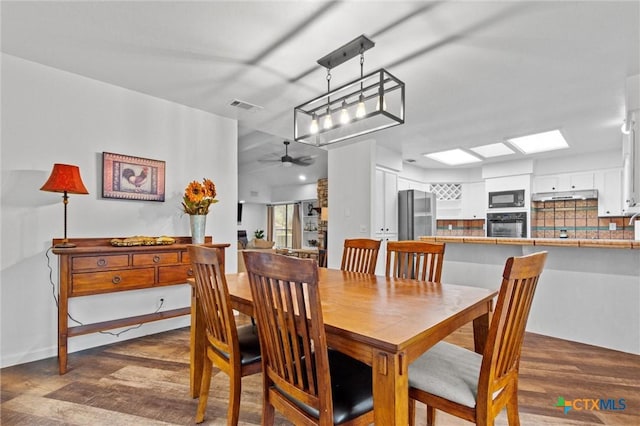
x=265, y=160
x=303, y=161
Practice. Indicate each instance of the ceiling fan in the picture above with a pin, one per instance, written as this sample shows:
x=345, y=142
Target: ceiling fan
x=288, y=161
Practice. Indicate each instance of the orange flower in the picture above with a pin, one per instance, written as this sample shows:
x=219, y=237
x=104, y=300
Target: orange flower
x=199, y=196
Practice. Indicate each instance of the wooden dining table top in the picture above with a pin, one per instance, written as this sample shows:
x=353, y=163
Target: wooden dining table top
x=386, y=313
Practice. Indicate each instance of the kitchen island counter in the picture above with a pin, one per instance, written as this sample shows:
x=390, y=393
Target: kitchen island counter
x=556, y=242
x=589, y=291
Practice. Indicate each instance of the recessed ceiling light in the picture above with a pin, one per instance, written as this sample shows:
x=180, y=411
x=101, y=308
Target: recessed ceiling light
x=453, y=157
x=302, y=177
x=540, y=142
x=493, y=150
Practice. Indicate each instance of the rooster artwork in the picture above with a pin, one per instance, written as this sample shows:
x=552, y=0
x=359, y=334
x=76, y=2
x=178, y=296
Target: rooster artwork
x=136, y=180
x=132, y=178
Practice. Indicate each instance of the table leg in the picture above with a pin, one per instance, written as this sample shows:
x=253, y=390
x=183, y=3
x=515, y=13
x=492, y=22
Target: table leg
x=481, y=329
x=197, y=347
x=390, y=389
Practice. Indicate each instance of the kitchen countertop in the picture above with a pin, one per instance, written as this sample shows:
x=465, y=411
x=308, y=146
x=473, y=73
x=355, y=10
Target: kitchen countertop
x=559, y=242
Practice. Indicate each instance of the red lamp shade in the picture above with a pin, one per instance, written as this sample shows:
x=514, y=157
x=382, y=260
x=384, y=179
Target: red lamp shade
x=65, y=177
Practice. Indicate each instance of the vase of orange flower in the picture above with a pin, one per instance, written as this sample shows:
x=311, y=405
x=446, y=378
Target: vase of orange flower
x=197, y=199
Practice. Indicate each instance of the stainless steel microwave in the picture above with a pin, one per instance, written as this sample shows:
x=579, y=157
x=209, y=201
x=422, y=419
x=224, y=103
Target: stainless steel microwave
x=503, y=199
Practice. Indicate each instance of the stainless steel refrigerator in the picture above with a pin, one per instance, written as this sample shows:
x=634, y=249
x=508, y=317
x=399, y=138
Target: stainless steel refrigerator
x=416, y=214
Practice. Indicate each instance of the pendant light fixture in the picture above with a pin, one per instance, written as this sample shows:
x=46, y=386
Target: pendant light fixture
x=372, y=102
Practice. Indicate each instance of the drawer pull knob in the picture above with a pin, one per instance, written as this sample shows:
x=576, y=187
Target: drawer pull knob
x=156, y=259
x=116, y=279
x=102, y=262
x=190, y=272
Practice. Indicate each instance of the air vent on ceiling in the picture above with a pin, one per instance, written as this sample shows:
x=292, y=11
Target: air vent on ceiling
x=244, y=105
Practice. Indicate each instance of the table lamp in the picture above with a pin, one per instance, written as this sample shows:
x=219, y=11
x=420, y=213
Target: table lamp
x=65, y=178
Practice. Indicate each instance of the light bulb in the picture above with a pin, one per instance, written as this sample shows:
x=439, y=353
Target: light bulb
x=344, y=114
x=313, y=128
x=328, y=121
x=384, y=104
x=361, y=111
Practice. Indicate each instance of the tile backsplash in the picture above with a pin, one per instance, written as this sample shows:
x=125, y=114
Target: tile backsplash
x=578, y=217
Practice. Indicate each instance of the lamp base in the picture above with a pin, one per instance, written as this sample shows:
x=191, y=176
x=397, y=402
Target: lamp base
x=65, y=244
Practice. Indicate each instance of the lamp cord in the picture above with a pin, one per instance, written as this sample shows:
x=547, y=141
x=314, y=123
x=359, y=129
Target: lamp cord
x=55, y=298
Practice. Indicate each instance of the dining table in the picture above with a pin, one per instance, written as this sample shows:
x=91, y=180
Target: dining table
x=382, y=321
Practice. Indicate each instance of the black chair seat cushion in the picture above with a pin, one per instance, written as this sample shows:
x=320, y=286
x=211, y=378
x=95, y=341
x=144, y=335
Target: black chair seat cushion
x=351, y=388
x=249, y=344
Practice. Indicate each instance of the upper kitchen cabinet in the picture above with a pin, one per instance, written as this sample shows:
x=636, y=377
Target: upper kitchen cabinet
x=609, y=186
x=386, y=203
x=564, y=182
x=474, y=200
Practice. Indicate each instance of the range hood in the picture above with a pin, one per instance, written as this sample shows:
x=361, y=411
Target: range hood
x=565, y=195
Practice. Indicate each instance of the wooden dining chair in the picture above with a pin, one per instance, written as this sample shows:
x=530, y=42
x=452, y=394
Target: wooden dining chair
x=302, y=379
x=360, y=255
x=418, y=260
x=476, y=387
x=234, y=350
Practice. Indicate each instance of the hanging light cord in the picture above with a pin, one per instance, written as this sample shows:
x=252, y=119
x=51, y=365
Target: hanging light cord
x=55, y=298
x=328, y=89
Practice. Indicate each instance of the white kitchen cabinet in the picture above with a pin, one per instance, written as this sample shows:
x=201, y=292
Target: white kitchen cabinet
x=474, y=200
x=386, y=203
x=609, y=186
x=386, y=213
x=564, y=182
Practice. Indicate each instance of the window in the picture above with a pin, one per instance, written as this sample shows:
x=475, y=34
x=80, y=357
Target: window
x=283, y=225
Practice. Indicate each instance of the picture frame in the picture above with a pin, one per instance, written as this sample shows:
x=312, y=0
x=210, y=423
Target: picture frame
x=132, y=178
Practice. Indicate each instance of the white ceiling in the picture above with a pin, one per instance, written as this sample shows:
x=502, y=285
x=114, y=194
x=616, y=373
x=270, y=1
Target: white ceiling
x=476, y=72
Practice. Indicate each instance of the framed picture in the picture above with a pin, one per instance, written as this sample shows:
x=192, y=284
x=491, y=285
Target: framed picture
x=132, y=178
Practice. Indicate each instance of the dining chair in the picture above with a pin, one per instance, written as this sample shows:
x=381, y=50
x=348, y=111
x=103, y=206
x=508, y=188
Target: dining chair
x=360, y=255
x=234, y=350
x=476, y=387
x=418, y=260
x=302, y=379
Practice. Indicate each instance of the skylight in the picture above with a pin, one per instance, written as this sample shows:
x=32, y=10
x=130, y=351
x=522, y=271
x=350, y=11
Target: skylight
x=540, y=142
x=453, y=157
x=493, y=150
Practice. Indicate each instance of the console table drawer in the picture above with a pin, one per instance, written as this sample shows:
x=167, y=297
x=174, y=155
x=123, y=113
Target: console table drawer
x=146, y=259
x=108, y=281
x=174, y=274
x=100, y=262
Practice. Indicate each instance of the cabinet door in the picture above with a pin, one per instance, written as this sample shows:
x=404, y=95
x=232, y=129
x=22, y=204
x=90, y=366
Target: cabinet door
x=579, y=181
x=546, y=183
x=390, y=203
x=609, y=186
x=474, y=200
x=378, y=208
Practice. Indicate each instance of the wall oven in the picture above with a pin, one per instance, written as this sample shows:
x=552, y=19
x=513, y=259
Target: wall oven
x=512, y=225
x=503, y=199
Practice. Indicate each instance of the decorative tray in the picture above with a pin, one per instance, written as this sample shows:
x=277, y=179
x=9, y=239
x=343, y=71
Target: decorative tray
x=142, y=241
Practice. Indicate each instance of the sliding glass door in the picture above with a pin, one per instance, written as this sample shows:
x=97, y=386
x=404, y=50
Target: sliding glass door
x=283, y=225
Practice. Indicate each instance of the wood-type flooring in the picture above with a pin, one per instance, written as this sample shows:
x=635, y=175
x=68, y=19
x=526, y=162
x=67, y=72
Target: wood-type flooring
x=145, y=381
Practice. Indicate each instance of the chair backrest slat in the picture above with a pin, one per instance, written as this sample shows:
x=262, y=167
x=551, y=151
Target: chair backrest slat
x=360, y=255
x=418, y=260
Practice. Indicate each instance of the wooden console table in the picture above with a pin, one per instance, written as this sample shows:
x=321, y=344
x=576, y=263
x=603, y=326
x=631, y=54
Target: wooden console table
x=94, y=267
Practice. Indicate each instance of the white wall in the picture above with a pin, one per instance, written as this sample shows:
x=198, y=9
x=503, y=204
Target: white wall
x=53, y=116
x=351, y=180
x=289, y=193
x=254, y=216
